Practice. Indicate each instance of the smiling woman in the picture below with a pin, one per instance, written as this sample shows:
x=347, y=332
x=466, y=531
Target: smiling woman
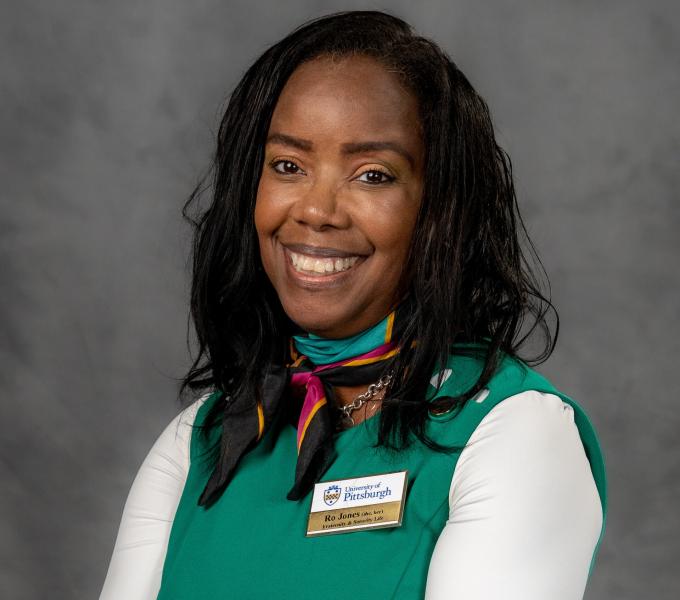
x=361, y=296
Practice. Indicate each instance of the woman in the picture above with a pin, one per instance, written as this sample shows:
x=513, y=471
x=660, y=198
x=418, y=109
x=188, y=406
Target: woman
x=358, y=295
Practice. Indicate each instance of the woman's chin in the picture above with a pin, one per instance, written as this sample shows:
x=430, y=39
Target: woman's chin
x=335, y=322
x=323, y=325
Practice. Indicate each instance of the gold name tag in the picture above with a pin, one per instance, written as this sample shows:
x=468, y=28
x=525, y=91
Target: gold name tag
x=359, y=503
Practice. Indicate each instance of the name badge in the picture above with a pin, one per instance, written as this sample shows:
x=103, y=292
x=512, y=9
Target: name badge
x=359, y=503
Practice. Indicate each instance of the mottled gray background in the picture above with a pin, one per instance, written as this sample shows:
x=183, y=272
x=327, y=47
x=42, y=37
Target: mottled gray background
x=108, y=114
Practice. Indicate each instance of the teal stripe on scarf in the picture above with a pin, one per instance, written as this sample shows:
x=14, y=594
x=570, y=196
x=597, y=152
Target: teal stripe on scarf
x=323, y=351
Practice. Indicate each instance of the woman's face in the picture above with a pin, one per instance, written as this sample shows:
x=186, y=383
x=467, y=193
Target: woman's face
x=339, y=193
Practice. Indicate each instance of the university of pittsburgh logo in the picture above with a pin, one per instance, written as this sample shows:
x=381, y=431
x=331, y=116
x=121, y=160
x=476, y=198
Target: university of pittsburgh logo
x=331, y=494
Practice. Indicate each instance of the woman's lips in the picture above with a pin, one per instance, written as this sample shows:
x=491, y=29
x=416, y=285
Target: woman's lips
x=314, y=265
x=317, y=262
x=320, y=251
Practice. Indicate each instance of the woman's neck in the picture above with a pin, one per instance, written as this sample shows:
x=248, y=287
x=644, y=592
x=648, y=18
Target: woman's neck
x=345, y=395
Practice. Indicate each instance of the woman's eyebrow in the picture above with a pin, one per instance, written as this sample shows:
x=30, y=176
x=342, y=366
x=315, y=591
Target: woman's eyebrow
x=347, y=148
x=289, y=140
x=372, y=146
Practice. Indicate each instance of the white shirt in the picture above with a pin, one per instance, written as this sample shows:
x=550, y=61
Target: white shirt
x=524, y=511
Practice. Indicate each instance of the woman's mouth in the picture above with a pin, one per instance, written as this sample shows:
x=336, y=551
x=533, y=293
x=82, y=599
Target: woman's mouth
x=314, y=265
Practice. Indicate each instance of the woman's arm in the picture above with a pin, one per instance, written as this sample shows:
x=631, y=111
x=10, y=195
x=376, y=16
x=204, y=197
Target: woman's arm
x=525, y=514
x=137, y=562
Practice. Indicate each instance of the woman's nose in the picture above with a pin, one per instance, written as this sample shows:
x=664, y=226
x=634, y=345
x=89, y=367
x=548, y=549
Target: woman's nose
x=321, y=206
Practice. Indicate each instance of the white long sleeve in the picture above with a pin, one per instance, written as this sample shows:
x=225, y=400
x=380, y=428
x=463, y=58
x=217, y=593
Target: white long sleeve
x=524, y=510
x=136, y=565
x=510, y=532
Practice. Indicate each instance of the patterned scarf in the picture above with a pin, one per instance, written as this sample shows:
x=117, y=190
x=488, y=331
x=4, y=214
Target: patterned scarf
x=306, y=385
x=324, y=363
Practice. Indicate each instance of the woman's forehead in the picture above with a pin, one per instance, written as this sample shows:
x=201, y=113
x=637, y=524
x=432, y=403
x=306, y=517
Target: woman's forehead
x=356, y=98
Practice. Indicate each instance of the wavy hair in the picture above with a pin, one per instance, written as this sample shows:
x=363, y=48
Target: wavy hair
x=466, y=279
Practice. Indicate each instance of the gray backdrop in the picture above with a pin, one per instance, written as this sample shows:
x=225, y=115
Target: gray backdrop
x=108, y=114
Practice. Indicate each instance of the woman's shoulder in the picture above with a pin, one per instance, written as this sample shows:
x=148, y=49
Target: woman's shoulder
x=530, y=420
x=463, y=369
x=189, y=416
x=519, y=409
x=185, y=420
x=175, y=440
x=511, y=376
x=466, y=362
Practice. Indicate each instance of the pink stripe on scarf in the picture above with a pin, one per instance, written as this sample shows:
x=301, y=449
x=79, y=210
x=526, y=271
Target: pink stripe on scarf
x=315, y=391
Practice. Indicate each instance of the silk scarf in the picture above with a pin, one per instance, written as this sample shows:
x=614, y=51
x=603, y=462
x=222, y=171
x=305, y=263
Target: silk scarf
x=305, y=385
x=322, y=364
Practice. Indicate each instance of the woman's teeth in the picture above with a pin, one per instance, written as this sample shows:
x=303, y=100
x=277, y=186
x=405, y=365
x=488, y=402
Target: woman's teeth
x=311, y=264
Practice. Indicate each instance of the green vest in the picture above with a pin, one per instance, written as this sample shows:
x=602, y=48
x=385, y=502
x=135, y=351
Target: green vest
x=251, y=543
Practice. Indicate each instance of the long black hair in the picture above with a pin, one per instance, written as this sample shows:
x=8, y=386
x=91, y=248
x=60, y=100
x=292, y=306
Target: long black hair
x=467, y=277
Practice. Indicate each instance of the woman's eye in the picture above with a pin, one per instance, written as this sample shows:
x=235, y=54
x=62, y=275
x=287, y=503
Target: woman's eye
x=376, y=176
x=288, y=167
